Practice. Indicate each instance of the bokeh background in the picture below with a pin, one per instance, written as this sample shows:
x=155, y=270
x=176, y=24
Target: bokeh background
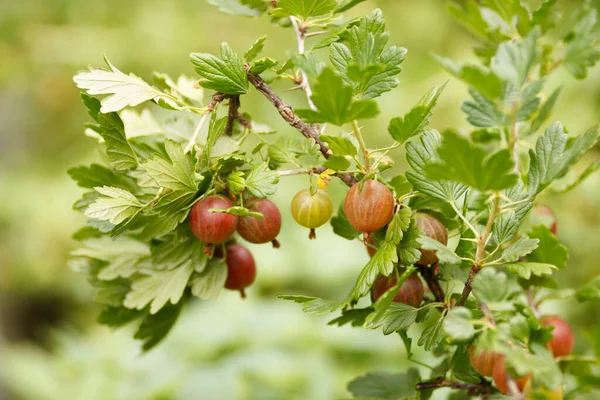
x=261, y=348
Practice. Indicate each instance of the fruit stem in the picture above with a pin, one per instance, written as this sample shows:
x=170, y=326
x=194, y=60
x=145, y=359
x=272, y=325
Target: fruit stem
x=312, y=235
x=276, y=243
x=242, y=293
x=363, y=146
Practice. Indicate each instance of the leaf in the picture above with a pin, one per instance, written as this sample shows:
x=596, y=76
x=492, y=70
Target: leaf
x=379, y=315
x=381, y=263
x=545, y=111
x=417, y=119
x=118, y=150
x=458, y=324
x=590, y=169
x=226, y=74
x=432, y=335
x=159, y=288
x=443, y=253
x=480, y=78
x=210, y=282
x=255, y=49
x=346, y=5
x=340, y=146
x=354, y=316
x=117, y=316
x=482, y=112
x=526, y=269
x=552, y=155
x=342, y=227
x=523, y=246
x=582, y=51
x=315, y=305
x=304, y=8
x=99, y=175
x=179, y=250
x=123, y=90
x=462, y=369
x=401, y=185
x=155, y=327
x=419, y=155
x=236, y=182
x=337, y=163
x=408, y=248
x=514, y=59
x=383, y=385
x=259, y=66
x=175, y=173
x=549, y=250
x=464, y=162
x=591, y=291
x=333, y=99
x=490, y=286
x=261, y=182
x=397, y=317
x=234, y=7
x=114, y=205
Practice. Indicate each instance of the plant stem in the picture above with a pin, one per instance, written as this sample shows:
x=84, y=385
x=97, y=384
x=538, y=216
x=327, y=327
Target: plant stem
x=481, y=243
x=465, y=220
x=434, y=284
x=484, y=387
x=512, y=144
x=300, y=37
x=363, y=146
x=217, y=98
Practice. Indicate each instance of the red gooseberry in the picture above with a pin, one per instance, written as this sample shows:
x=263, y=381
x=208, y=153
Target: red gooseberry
x=241, y=268
x=369, y=209
x=433, y=228
x=257, y=230
x=563, y=339
x=213, y=227
x=411, y=292
x=483, y=361
x=500, y=376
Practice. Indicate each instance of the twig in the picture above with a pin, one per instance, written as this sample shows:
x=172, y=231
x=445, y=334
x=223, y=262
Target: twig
x=479, y=255
x=296, y=122
x=434, y=284
x=300, y=36
x=234, y=106
x=484, y=387
x=363, y=146
x=217, y=98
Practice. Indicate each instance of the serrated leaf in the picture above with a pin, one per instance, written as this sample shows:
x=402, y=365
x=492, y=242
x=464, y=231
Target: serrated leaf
x=337, y=163
x=123, y=90
x=175, y=173
x=342, y=227
x=490, y=286
x=408, y=248
x=209, y=283
x=226, y=74
x=255, y=49
x=458, y=324
x=236, y=182
x=514, y=59
x=545, y=111
x=119, y=152
x=417, y=119
x=465, y=162
x=354, y=316
x=261, y=182
x=443, y=253
x=234, y=7
x=339, y=145
x=155, y=327
x=523, y=246
x=386, y=386
x=315, y=305
x=572, y=184
x=259, y=66
x=432, y=335
x=304, y=8
x=99, y=175
x=379, y=316
x=114, y=205
x=482, y=112
x=177, y=250
x=381, y=263
x=117, y=316
x=480, y=78
x=550, y=250
x=526, y=269
x=591, y=291
x=462, y=369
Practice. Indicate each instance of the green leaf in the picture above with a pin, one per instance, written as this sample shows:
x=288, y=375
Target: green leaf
x=354, y=316
x=123, y=90
x=381, y=263
x=114, y=205
x=490, y=286
x=514, y=59
x=117, y=316
x=526, y=269
x=432, y=335
x=118, y=150
x=226, y=74
x=458, y=325
x=553, y=155
x=209, y=283
x=333, y=99
x=591, y=291
x=179, y=250
x=397, y=317
x=337, y=163
x=549, y=250
x=523, y=246
x=593, y=167
x=234, y=7
x=159, y=288
x=340, y=146
x=255, y=49
x=236, y=182
x=417, y=119
x=155, y=327
x=315, y=305
x=386, y=386
x=99, y=175
x=530, y=100
x=462, y=369
x=545, y=111
x=175, y=173
x=464, y=162
x=346, y=5
x=482, y=112
x=342, y=227
x=304, y=8
x=480, y=78
x=401, y=185
x=261, y=182
x=443, y=253
x=408, y=248
x=259, y=66
x=582, y=51
x=419, y=155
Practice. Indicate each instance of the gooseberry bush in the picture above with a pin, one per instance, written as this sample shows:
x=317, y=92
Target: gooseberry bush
x=455, y=248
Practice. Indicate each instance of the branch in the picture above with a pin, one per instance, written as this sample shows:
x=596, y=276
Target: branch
x=481, y=243
x=434, y=284
x=300, y=36
x=234, y=106
x=217, y=98
x=295, y=121
x=484, y=387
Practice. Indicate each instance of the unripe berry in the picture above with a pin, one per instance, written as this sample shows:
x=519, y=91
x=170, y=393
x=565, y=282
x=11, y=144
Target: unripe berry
x=241, y=268
x=256, y=230
x=411, y=292
x=563, y=339
x=433, y=228
x=312, y=211
x=371, y=208
x=484, y=361
x=546, y=216
x=213, y=227
x=500, y=376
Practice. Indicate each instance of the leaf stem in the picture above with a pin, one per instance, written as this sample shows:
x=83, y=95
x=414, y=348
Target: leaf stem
x=300, y=37
x=217, y=98
x=363, y=146
x=465, y=220
x=484, y=387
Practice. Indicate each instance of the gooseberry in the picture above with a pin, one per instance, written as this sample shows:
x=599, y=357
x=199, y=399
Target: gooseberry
x=312, y=211
x=563, y=339
x=433, y=228
x=213, y=227
x=500, y=376
x=484, y=361
x=241, y=268
x=256, y=230
x=411, y=292
x=369, y=209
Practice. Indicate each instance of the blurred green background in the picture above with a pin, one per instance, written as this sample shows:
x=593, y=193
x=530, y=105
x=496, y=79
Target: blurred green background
x=261, y=348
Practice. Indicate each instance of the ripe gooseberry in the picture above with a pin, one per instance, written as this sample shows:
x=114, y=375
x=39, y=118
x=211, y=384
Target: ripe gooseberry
x=256, y=230
x=563, y=339
x=241, y=268
x=484, y=361
x=542, y=214
x=411, y=292
x=369, y=209
x=500, y=376
x=433, y=228
x=312, y=211
x=213, y=227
